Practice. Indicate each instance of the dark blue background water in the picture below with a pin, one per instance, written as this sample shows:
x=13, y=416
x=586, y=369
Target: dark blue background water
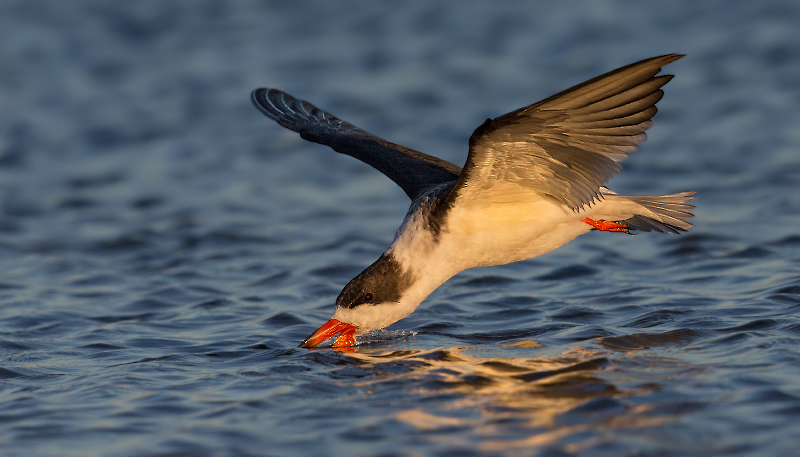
x=164, y=247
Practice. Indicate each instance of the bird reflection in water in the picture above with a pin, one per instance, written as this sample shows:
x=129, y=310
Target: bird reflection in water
x=472, y=399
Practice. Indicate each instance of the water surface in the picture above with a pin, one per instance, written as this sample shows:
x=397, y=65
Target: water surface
x=164, y=247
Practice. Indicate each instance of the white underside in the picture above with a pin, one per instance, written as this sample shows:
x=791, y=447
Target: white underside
x=507, y=225
x=483, y=233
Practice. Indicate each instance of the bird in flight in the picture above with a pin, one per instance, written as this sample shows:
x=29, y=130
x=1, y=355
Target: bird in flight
x=534, y=179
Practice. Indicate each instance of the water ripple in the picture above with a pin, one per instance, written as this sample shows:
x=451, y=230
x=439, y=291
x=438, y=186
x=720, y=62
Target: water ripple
x=164, y=248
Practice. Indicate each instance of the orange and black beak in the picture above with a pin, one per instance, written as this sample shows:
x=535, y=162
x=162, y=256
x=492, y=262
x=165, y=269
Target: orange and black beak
x=331, y=328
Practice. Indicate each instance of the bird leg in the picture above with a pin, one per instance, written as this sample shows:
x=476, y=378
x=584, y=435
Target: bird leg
x=605, y=226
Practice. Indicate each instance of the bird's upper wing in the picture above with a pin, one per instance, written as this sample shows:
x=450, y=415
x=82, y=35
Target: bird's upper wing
x=413, y=171
x=567, y=146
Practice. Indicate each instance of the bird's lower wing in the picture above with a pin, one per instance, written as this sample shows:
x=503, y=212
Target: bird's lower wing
x=413, y=171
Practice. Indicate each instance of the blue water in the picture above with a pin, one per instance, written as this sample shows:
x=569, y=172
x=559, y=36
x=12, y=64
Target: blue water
x=164, y=247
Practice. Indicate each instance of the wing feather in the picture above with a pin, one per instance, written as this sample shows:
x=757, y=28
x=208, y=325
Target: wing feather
x=567, y=146
x=413, y=171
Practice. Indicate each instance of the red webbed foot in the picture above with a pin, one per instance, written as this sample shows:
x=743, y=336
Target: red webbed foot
x=605, y=226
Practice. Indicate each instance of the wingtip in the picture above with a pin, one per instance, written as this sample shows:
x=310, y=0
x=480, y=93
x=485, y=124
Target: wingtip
x=659, y=60
x=263, y=100
x=669, y=58
x=257, y=96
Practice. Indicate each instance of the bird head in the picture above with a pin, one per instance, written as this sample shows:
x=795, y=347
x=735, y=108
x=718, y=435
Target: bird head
x=370, y=301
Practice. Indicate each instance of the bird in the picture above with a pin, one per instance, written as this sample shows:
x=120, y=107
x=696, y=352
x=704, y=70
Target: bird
x=534, y=179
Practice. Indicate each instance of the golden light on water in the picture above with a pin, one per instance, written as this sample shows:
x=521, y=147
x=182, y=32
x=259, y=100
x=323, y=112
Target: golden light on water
x=549, y=398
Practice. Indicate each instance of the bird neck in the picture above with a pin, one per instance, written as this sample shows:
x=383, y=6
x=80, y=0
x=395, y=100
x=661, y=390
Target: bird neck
x=419, y=248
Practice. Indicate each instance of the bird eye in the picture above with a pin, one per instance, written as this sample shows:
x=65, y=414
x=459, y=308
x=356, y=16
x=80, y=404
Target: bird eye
x=368, y=297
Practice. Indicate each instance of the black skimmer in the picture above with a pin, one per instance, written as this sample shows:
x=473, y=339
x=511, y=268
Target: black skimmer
x=534, y=180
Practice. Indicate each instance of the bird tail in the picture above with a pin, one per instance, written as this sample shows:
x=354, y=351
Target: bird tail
x=662, y=213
